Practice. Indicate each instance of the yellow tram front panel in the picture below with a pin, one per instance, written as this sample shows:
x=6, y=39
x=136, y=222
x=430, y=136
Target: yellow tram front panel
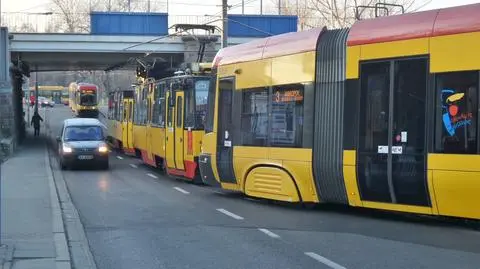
x=277, y=173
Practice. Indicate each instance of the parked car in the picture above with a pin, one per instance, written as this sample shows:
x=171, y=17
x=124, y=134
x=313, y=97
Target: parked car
x=44, y=102
x=83, y=141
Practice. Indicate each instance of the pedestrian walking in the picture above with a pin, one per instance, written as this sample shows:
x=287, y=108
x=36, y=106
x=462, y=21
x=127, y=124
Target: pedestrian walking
x=36, y=123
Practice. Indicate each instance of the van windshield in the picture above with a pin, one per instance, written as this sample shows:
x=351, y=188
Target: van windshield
x=83, y=133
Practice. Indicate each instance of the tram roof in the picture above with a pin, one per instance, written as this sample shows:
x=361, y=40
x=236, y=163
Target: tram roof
x=274, y=46
x=454, y=20
x=439, y=22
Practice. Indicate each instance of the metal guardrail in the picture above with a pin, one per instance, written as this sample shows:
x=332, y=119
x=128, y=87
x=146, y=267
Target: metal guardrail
x=51, y=22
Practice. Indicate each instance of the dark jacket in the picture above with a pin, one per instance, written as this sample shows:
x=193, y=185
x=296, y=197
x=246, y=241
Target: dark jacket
x=36, y=120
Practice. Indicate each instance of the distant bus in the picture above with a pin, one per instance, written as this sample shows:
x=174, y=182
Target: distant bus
x=83, y=99
x=57, y=94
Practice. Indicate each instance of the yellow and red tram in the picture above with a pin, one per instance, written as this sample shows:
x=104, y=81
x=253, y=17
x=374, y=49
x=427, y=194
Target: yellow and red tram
x=83, y=99
x=164, y=125
x=381, y=115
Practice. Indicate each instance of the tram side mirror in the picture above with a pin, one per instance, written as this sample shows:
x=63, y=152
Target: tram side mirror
x=59, y=139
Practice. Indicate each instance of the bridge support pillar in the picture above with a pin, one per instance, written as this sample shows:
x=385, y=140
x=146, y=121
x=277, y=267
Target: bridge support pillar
x=12, y=116
x=7, y=130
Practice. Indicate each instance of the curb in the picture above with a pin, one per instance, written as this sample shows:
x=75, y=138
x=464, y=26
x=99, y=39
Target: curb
x=7, y=256
x=73, y=231
x=60, y=240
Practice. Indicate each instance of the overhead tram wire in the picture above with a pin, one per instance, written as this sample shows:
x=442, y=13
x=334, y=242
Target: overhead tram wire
x=135, y=59
x=174, y=34
x=245, y=25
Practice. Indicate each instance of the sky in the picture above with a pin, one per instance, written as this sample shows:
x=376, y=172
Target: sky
x=194, y=7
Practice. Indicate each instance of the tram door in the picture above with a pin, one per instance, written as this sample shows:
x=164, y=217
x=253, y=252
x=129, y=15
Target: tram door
x=149, y=134
x=225, y=131
x=169, y=131
x=392, y=152
x=179, y=130
x=174, y=131
x=130, y=124
x=125, y=116
x=127, y=124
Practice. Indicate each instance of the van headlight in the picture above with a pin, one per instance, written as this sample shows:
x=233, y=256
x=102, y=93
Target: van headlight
x=103, y=149
x=66, y=148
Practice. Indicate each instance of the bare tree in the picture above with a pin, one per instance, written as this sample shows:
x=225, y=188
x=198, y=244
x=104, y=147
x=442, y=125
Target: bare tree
x=22, y=28
x=338, y=14
x=73, y=14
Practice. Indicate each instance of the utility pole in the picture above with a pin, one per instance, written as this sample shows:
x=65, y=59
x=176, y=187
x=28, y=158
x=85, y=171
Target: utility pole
x=243, y=7
x=148, y=6
x=36, y=89
x=279, y=7
x=261, y=7
x=224, y=24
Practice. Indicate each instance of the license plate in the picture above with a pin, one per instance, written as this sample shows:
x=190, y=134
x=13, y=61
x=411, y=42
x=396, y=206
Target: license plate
x=85, y=157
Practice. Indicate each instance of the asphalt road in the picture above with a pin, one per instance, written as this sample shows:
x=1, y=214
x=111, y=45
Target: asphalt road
x=135, y=217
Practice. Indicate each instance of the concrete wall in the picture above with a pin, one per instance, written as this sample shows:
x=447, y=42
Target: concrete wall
x=7, y=131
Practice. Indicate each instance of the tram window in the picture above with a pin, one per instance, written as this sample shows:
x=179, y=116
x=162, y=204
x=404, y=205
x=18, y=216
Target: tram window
x=170, y=117
x=137, y=109
x=159, y=105
x=211, y=105
x=145, y=106
x=120, y=111
x=130, y=111
x=189, y=108
x=201, y=100
x=457, y=113
x=149, y=111
x=179, y=109
x=254, y=123
x=287, y=116
x=196, y=104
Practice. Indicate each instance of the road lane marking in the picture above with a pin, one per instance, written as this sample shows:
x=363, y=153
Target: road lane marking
x=217, y=192
x=181, y=190
x=133, y=165
x=120, y=157
x=230, y=214
x=267, y=232
x=324, y=260
x=151, y=175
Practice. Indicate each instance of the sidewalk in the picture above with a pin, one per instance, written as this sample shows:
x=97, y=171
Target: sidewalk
x=32, y=227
